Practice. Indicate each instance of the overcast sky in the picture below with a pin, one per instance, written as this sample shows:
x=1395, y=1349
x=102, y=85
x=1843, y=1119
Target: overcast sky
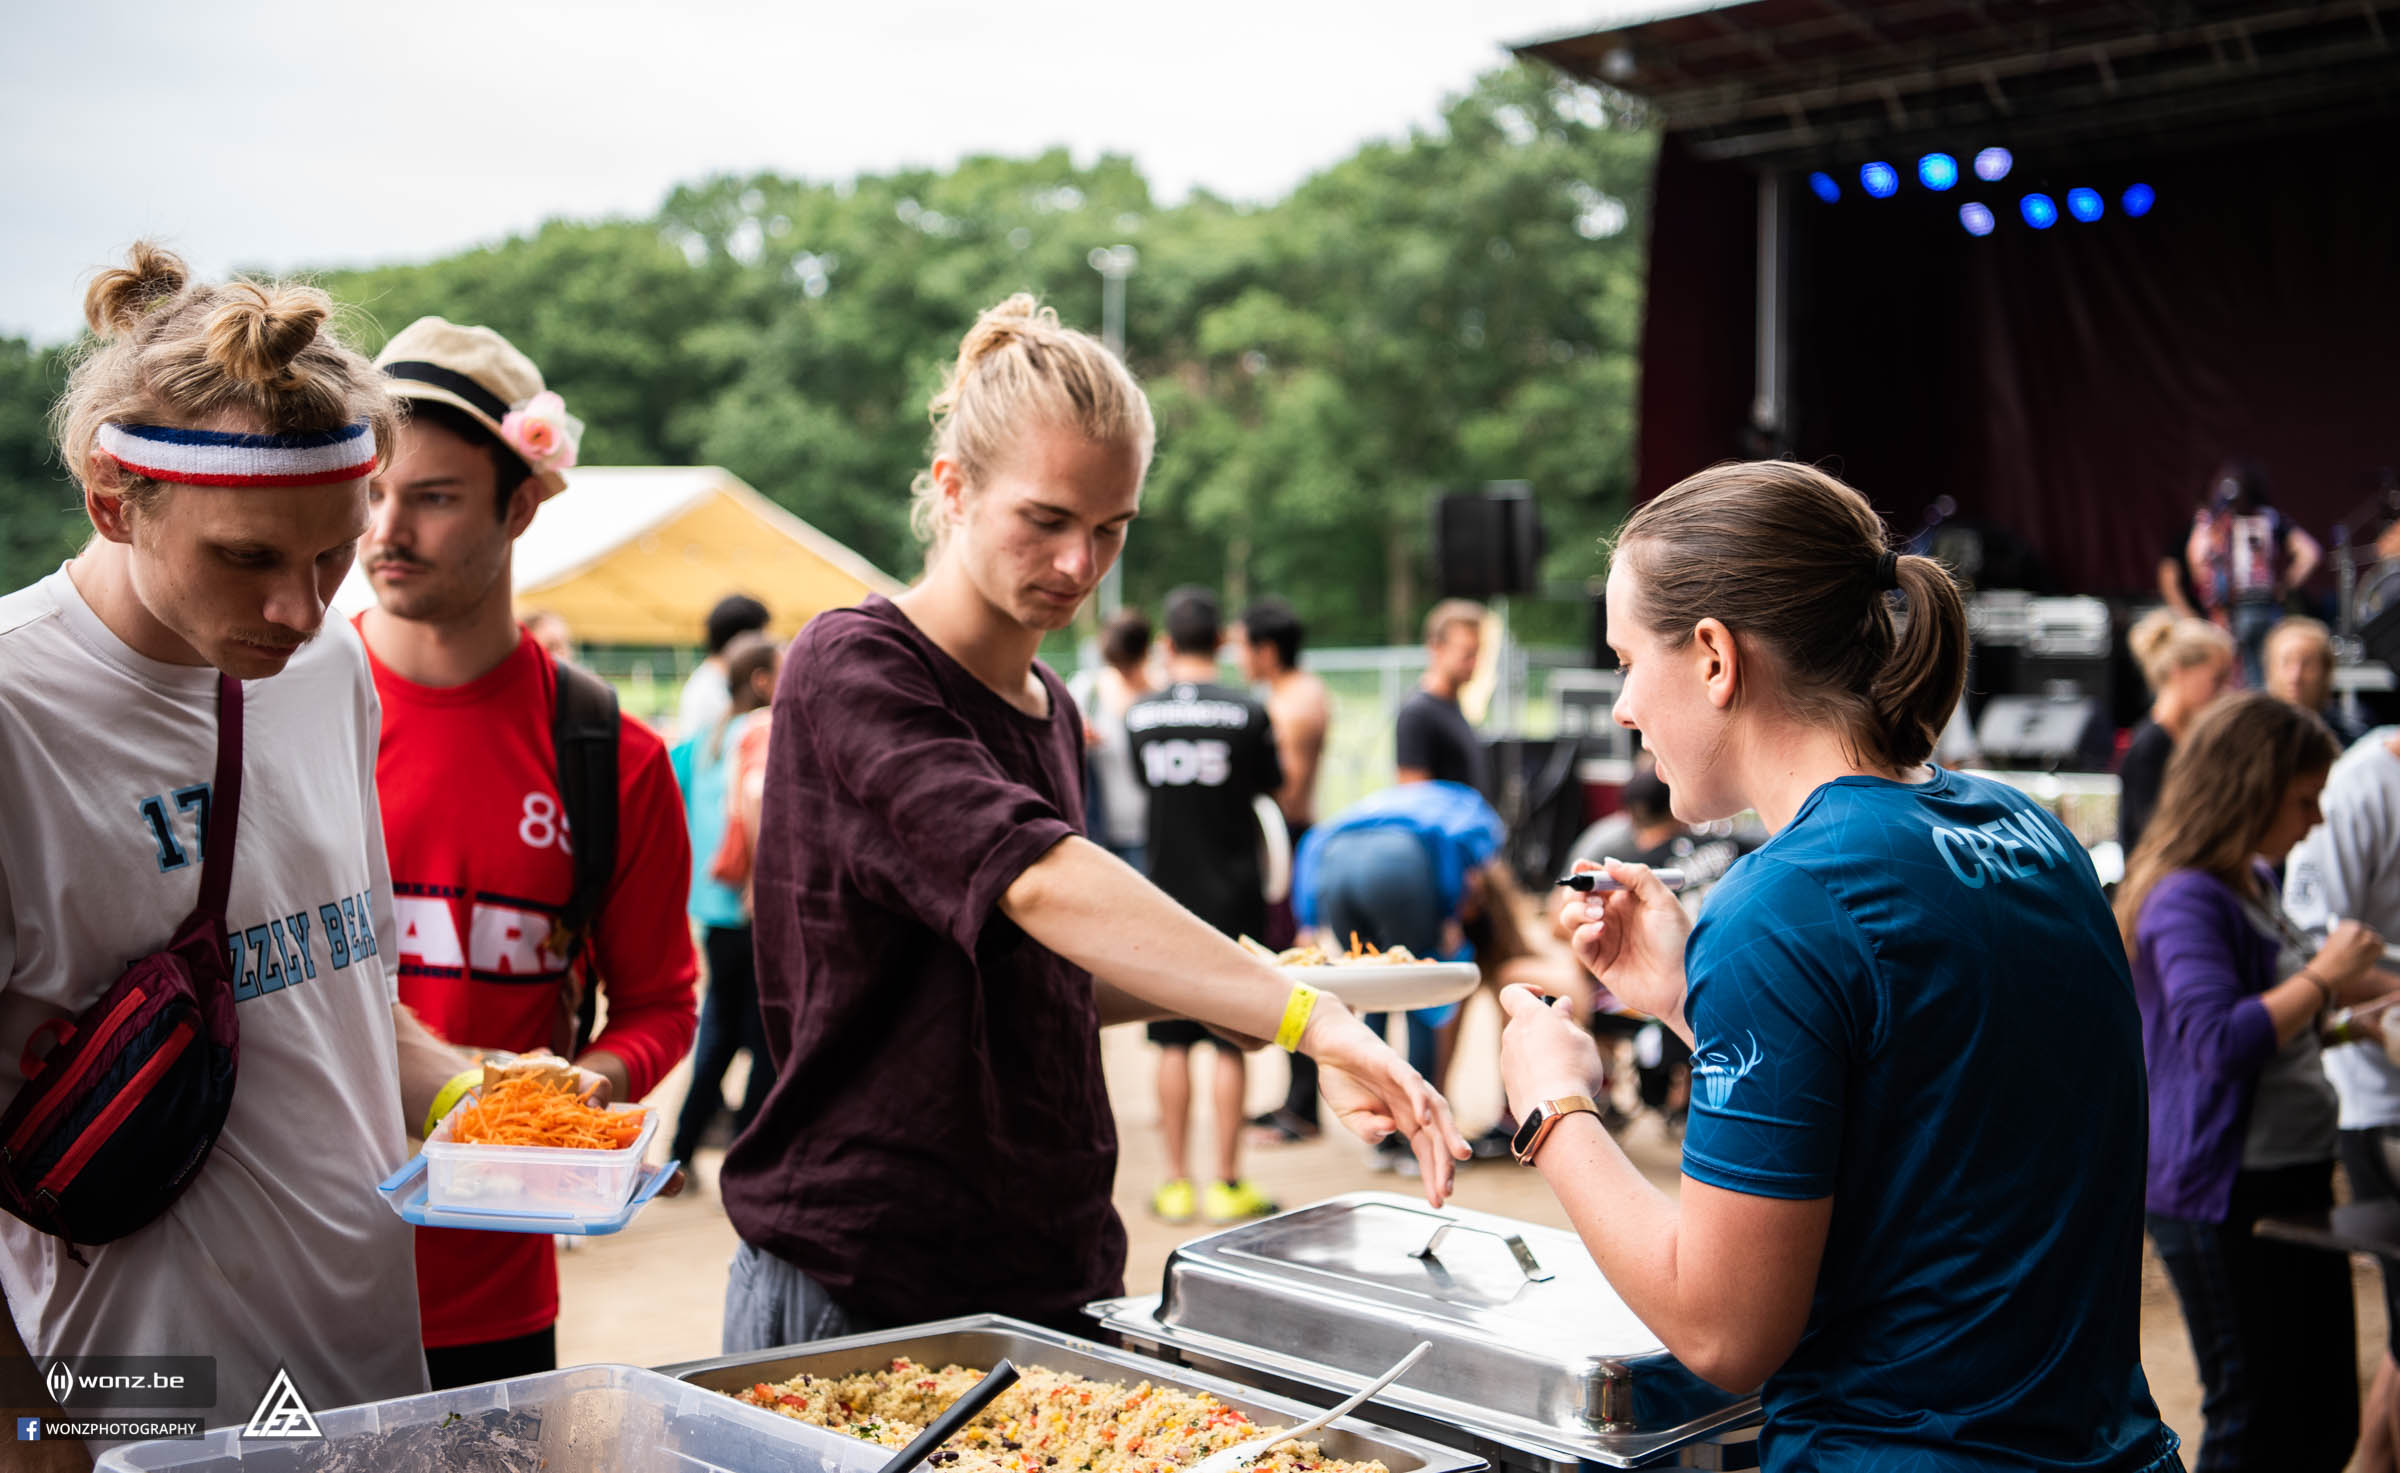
x=279, y=134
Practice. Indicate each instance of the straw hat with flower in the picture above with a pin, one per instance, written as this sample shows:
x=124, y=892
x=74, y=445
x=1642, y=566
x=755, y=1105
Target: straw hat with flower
x=477, y=371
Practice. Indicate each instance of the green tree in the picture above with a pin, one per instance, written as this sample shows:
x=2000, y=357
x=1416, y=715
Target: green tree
x=41, y=511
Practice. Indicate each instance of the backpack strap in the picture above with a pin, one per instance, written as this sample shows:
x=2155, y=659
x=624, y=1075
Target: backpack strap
x=583, y=742
x=224, y=804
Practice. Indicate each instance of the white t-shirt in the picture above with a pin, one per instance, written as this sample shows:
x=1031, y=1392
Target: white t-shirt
x=2348, y=868
x=279, y=1253
x=704, y=702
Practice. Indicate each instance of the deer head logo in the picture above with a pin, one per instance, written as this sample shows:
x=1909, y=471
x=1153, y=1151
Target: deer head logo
x=1717, y=1069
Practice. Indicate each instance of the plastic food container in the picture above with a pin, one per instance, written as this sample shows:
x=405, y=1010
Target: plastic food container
x=533, y=1181
x=590, y=1419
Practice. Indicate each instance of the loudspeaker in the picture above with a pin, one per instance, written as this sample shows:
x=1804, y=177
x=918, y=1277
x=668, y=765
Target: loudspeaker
x=1487, y=543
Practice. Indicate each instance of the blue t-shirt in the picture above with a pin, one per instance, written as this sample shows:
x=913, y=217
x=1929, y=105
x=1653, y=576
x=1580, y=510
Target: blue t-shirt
x=1459, y=830
x=703, y=764
x=1914, y=1000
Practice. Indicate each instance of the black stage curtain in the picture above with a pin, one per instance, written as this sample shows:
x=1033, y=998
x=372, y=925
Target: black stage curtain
x=2075, y=385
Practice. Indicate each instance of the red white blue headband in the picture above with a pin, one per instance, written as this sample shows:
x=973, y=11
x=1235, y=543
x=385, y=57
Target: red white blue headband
x=216, y=458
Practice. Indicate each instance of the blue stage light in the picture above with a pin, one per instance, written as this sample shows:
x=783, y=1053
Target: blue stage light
x=2084, y=205
x=1977, y=218
x=2138, y=199
x=1826, y=190
x=2039, y=210
x=1880, y=180
x=1937, y=171
x=1992, y=165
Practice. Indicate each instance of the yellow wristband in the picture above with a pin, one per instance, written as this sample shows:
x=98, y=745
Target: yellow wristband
x=1296, y=1014
x=449, y=1096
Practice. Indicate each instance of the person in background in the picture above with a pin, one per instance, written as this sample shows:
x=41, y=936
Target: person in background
x=222, y=437
x=1122, y=810
x=2299, y=664
x=1268, y=639
x=2188, y=663
x=1907, y=1280
x=481, y=858
x=2349, y=867
x=939, y=946
x=1409, y=866
x=549, y=630
x=1432, y=739
x=2233, y=998
x=2246, y=558
x=705, y=695
x=1205, y=751
x=708, y=767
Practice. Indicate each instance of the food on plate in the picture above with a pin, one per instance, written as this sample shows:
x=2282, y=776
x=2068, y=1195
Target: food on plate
x=541, y=1107
x=1361, y=953
x=1049, y=1422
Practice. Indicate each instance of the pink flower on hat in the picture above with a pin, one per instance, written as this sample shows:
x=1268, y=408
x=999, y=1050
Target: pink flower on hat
x=543, y=432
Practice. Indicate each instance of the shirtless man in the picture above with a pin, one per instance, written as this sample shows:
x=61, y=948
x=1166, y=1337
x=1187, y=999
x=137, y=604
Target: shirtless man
x=1267, y=642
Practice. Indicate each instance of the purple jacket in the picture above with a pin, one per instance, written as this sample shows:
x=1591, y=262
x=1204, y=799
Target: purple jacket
x=2199, y=965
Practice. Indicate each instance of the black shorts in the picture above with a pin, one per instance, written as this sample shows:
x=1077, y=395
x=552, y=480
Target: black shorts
x=1179, y=1033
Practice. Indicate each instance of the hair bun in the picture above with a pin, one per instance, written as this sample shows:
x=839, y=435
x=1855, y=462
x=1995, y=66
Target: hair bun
x=120, y=297
x=2150, y=634
x=257, y=333
x=1020, y=318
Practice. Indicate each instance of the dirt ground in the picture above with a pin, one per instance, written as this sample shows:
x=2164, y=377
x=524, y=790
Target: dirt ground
x=655, y=1293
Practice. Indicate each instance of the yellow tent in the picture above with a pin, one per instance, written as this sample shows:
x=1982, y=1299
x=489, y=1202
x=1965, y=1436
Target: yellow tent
x=639, y=554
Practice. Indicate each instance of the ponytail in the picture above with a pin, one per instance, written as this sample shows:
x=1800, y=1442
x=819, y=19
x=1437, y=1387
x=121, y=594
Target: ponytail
x=1793, y=561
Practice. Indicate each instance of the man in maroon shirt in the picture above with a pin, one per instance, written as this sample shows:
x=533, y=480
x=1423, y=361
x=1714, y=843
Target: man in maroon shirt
x=938, y=943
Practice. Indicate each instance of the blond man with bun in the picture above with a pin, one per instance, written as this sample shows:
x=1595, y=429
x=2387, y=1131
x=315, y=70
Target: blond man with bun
x=223, y=436
x=2188, y=663
x=938, y=942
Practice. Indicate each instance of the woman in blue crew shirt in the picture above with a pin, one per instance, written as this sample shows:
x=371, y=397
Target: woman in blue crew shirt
x=1911, y=1211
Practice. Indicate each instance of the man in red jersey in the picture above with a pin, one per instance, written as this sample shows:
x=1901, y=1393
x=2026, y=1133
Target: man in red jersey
x=482, y=866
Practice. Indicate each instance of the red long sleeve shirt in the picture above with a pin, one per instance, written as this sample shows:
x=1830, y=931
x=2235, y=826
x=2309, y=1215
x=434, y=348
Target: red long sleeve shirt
x=481, y=869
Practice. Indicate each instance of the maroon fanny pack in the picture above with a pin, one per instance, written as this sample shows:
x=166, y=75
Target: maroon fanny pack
x=122, y=1108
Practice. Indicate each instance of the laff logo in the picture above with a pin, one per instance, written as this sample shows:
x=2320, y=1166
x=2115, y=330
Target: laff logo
x=281, y=1413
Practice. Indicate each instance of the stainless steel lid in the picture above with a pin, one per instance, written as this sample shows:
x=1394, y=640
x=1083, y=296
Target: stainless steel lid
x=1532, y=1348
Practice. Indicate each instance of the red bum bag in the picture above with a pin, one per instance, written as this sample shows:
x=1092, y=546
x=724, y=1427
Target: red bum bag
x=120, y=1113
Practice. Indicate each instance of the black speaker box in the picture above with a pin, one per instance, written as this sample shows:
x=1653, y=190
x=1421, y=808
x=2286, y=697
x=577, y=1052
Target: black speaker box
x=1487, y=543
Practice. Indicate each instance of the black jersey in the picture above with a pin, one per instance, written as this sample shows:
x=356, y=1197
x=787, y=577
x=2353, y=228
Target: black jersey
x=1206, y=753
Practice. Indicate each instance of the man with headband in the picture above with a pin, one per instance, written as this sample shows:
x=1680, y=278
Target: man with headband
x=482, y=855
x=223, y=441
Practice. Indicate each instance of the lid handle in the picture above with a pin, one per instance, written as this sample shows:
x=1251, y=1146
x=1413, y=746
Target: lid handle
x=1531, y=1266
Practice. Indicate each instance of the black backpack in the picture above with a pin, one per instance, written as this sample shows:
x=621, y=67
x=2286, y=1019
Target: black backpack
x=583, y=742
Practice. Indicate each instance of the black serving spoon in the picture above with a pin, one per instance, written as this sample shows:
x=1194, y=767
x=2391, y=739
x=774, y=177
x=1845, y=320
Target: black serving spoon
x=958, y=1414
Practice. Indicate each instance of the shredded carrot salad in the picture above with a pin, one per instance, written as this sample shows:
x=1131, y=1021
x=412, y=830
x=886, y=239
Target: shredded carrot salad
x=532, y=1111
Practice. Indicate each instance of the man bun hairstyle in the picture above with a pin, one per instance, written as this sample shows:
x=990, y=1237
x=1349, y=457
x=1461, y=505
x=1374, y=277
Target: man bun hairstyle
x=1795, y=564
x=249, y=356
x=2163, y=642
x=1019, y=369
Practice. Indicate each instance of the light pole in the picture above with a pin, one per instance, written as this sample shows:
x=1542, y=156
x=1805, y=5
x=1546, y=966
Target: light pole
x=1114, y=263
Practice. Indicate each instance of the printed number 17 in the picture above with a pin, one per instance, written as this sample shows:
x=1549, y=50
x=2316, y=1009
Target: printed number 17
x=191, y=800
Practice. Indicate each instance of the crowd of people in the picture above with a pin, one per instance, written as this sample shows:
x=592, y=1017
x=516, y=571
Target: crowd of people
x=923, y=873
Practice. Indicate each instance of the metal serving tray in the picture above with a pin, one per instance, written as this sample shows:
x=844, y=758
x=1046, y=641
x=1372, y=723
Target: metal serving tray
x=978, y=1341
x=1536, y=1361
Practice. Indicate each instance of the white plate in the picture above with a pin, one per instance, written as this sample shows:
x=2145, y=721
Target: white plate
x=1375, y=987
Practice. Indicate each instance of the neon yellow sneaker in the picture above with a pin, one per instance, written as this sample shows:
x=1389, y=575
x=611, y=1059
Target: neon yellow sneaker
x=1234, y=1201
x=1173, y=1201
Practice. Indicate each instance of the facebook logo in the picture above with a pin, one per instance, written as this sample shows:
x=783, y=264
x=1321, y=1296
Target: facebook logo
x=29, y=1429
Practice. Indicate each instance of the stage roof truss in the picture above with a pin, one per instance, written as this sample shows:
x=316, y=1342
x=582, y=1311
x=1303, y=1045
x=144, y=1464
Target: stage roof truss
x=1798, y=83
